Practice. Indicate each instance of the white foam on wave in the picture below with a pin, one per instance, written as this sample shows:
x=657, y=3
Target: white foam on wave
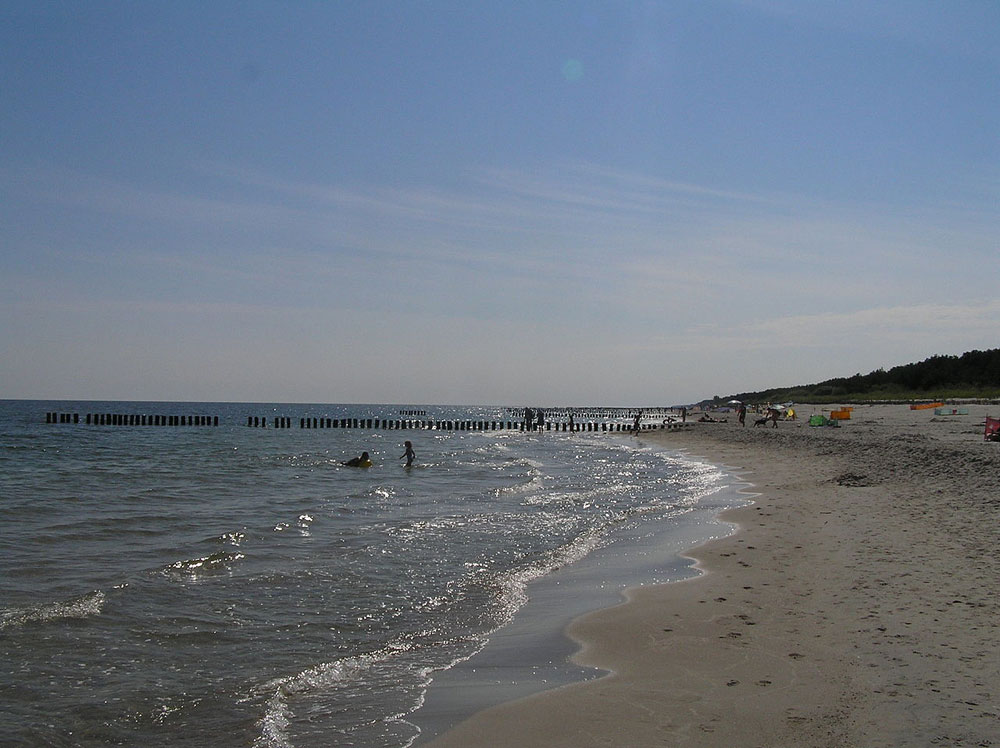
x=278, y=712
x=78, y=607
x=233, y=538
x=218, y=561
x=534, y=481
x=515, y=584
x=695, y=479
x=422, y=530
x=579, y=499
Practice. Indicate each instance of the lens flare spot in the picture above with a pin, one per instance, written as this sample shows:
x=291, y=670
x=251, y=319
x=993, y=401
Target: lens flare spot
x=572, y=70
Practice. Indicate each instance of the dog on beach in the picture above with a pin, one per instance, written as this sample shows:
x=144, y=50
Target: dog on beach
x=772, y=416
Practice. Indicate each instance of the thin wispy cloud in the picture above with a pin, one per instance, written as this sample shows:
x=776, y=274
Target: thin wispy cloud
x=565, y=222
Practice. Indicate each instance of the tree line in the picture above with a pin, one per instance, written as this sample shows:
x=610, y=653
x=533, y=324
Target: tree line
x=975, y=374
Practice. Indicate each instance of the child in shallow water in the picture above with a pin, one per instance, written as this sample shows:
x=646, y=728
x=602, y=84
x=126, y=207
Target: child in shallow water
x=409, y=454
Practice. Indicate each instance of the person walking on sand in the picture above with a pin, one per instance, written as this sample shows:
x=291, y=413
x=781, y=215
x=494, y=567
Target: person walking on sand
x=743, y=414
x=409, y=454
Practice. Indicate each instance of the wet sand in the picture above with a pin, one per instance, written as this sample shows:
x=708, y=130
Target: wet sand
x=858, y=605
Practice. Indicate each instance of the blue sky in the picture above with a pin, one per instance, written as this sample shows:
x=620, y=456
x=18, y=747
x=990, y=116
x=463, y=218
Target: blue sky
x=520, y=202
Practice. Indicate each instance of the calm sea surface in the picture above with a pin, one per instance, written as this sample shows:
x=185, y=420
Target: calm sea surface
x=237, y=586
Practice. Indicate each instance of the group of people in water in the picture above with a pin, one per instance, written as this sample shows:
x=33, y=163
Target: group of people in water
x=535, y=420
x=365, y=459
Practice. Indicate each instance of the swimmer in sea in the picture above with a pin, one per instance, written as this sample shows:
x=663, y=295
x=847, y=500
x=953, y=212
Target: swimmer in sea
x=363, y=461
x=409, y=454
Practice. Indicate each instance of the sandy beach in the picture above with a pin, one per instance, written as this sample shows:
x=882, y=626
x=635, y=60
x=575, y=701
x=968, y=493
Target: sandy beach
x=857, y=604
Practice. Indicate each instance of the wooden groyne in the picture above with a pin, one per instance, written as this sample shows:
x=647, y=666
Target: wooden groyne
x=389, y=424
x=132, y=419
x=600, y=412
x=62, y=417
x=370, y=424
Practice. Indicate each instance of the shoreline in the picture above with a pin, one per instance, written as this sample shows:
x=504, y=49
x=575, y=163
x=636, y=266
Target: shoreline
x=857, y=605
x=533, y=653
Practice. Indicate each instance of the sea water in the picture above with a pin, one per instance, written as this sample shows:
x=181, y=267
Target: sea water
x=238, y=586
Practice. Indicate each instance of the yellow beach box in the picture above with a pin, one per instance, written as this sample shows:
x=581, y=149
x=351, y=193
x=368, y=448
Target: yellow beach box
x=844, y=414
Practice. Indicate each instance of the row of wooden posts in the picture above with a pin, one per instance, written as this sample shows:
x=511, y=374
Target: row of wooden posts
x=282, y=422
x=602, y=413
x=131, y=419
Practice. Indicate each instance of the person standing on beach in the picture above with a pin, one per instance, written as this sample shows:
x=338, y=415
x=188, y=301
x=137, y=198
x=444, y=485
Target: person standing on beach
x=772, y=416
x=409, y=454
x=540, y=419
x=743, y=414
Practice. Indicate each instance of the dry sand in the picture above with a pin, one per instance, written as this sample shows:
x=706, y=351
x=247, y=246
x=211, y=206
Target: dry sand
x=857, y=605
